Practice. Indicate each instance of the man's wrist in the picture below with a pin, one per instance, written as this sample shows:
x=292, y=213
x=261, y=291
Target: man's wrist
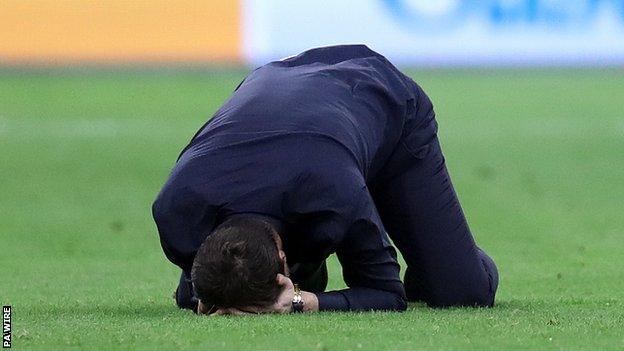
x=311, y=303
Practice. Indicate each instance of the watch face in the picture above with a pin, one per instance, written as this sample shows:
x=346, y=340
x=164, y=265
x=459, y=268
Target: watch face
x=297, y=306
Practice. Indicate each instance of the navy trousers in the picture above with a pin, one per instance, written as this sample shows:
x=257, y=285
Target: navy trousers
x=422, y=215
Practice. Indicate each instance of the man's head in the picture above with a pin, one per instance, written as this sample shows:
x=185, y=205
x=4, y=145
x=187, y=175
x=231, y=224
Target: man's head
x=238, y=263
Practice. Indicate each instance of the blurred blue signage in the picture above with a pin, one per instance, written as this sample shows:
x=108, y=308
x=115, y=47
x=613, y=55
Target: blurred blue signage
x=442, y=32
x=443, y=15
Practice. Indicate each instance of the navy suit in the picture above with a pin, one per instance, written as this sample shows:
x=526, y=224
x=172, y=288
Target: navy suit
x=341, y=148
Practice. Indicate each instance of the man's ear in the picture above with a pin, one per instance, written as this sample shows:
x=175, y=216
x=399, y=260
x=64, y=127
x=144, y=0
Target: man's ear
x=282, y=257
x=278, y=241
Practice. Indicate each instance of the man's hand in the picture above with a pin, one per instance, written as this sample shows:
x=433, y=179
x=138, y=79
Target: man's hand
x=284, y=300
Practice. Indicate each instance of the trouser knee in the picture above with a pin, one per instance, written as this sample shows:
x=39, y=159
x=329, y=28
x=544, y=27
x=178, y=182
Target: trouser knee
x=479, y=292
x=492, y=275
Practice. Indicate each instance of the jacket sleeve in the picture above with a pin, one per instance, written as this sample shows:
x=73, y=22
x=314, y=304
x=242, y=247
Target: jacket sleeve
x=183, y=219
x=371, y=272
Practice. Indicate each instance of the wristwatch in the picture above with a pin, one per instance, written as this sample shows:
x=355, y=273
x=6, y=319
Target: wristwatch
x=297, y=301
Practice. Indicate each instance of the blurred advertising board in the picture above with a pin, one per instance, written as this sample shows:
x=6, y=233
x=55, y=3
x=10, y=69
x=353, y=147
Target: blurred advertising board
x=442, y=32
x=119, y=31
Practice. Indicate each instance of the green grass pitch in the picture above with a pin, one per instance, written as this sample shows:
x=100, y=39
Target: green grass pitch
x=537, y=157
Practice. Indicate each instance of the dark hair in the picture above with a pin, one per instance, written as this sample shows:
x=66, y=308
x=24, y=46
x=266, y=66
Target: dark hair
x=237, y=264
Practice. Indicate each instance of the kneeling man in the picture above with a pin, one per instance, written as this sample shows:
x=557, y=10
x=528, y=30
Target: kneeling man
x=331, y=151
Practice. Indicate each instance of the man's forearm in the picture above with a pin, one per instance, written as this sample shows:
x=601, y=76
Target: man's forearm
x=361, y=299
